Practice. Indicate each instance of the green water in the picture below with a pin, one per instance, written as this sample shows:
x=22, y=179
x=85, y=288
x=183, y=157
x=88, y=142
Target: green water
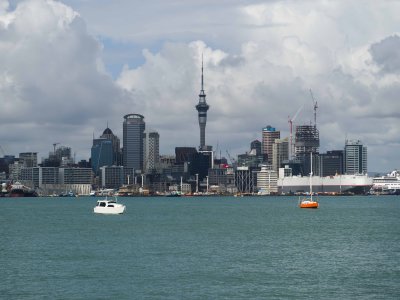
x=200, y=248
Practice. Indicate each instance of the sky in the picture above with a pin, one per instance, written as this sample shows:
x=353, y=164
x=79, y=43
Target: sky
x=68, y=68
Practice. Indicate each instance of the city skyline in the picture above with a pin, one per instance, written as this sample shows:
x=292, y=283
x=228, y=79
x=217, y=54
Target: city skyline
x=99, y=61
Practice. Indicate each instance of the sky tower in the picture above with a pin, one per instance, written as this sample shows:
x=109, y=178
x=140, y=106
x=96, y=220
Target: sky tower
x=202, y=107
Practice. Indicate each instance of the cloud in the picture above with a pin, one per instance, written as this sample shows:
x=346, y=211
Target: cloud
x=386, y=54
x=261, y=58
x=52, y=83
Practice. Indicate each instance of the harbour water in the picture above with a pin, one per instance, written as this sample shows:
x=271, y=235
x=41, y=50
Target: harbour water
x=200, y=248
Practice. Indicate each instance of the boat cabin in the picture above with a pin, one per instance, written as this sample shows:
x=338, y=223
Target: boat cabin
x=106, y=203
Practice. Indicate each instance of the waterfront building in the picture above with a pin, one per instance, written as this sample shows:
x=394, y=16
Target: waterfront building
x=75, y=175
x=222, y=177
x=202, y=108
x=245, y=180
x=133, y=134
x=355, y=160
x=151, y=151
x=280, y=153
x=45, y=175
x=267, y=181
x=55, y=180
x=269, y=135
x=112, y=177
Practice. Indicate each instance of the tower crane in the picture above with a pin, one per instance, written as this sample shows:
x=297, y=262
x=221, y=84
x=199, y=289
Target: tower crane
x=230, y=158
x=315, y=106
x=290, y=121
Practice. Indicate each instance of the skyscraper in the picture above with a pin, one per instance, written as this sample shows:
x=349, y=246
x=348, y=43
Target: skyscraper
x=269, y=135
x=133, y=133
x=280, y=153
x=101, y=154
x=151, y=150
x=256, y=145
x=307, y=140
x=109, y=135
x=331, y=163
x=355, y=159
x=202, y=108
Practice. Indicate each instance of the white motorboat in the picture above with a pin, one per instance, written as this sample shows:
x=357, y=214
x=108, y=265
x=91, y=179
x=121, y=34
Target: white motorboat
x=111, y=207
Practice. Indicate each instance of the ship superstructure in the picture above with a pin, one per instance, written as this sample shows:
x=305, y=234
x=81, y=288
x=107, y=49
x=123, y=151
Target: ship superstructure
x=388, y=184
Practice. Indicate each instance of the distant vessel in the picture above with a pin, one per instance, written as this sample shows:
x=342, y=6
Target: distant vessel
x=386, y=185
x=110, y=207
x=173, y=194
x=338, y=184
x=19, y=190
x=309, y=202
x=67, y=194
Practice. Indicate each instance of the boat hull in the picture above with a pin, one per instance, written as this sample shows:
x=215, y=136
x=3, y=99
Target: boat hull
x=354, y=184
x=307, y=203
x=312, y=204
x=109, y=210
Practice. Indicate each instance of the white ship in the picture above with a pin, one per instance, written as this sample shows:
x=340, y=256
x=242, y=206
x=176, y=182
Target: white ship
x=338, y=184
x=387, y=185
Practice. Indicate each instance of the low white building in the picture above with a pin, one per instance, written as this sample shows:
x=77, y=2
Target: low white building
x=267, y=181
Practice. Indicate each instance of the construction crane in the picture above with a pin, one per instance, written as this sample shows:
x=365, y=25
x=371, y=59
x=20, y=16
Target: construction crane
x=231, y=158
x=315, y=106
x=290, y=121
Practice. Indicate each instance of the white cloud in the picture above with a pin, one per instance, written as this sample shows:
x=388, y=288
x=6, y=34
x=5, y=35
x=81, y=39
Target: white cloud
x=51, y=86
x=260, y=60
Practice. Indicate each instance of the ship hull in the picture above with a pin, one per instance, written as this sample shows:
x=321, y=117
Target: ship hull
x=345, y=184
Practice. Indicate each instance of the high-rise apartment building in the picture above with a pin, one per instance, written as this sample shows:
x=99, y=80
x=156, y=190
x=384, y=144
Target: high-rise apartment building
x=269, y=135
x=133, y=134
x=151, y=151
x=355, y=159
